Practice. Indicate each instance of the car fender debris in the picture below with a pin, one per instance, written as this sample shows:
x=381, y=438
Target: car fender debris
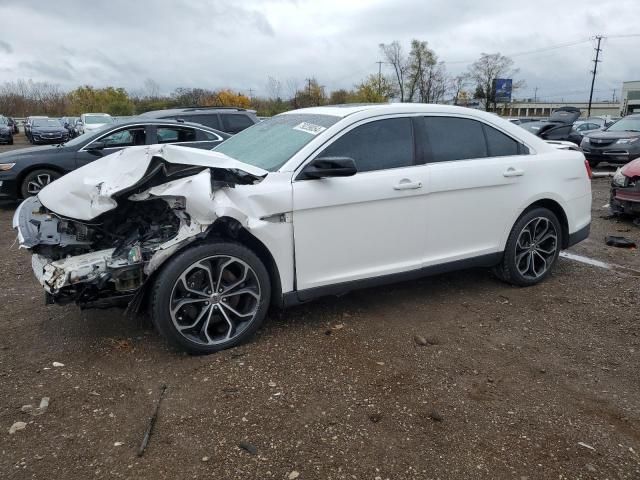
x=152, y=422
x=620, y=242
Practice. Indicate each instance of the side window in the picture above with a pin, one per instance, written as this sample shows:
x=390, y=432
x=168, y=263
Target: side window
x=451, y=138
x=234, y=123
x=210, y=120
x=376, y=145
x=127, y=137
x=499, y=144
x=211, y=137
x=175, y=134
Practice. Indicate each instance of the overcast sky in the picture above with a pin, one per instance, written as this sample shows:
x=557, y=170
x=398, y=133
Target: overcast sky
x=212, y=44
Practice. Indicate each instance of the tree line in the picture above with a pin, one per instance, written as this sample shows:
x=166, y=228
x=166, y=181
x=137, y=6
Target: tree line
x=416, y=75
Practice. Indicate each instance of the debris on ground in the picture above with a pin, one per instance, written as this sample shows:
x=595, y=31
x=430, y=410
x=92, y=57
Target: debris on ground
x=17, y=426
x=58, y=364
x=435, y=416
x=39, y=410
x=420, y=340
x=620, y=242
x=152, y=422
x=375, y=417
x=247, y=447
x=293, y=475
x=582, y=444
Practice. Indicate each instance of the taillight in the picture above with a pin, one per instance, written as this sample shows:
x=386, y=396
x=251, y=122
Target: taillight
x=588, y=167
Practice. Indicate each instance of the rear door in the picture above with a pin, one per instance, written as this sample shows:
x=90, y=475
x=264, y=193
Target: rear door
x=477, y=182
x=368, y=225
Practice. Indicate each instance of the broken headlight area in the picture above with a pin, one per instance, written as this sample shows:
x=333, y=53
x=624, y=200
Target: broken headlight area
x=626, y=199
x=105, y=259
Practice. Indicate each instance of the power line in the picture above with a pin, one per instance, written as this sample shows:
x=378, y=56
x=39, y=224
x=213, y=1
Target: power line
x=595, y=70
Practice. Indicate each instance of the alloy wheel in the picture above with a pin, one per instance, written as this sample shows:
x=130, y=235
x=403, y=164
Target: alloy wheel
x=38, y=183
x=215, y=299
x=536, y=247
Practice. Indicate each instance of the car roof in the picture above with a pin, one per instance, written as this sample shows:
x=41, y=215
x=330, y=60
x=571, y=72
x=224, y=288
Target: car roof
x=387, y=108
x=166, y=121
x=195, y=111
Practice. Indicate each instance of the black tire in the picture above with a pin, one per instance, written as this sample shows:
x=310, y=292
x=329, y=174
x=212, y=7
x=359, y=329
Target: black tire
x=27, y=187
x=168, y=279
x=11, y=141
x=594, y=163
x=509, y=270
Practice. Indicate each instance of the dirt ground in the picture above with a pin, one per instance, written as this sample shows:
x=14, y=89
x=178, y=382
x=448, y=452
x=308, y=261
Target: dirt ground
x=534, y=383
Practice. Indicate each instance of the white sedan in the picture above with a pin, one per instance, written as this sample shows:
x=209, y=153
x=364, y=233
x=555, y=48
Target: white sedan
x=309, y=203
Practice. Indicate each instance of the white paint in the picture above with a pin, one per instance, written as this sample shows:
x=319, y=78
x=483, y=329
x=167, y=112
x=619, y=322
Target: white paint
x=585, y=260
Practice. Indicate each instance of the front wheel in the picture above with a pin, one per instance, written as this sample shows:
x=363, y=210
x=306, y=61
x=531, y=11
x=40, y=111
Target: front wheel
x=36, y=181
x=210, y=297
x=532, y=248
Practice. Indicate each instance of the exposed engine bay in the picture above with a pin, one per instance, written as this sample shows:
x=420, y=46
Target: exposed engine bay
x=104, y=260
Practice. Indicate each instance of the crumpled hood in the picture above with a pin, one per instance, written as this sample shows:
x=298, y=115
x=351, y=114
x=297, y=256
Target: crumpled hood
x=88, y=192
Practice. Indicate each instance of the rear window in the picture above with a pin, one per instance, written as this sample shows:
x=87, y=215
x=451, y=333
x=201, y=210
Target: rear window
x=234, y=123
x=209, y=120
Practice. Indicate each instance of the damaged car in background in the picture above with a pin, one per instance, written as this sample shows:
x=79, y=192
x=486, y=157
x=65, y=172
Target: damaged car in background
x=625, y=190
x=308, y=203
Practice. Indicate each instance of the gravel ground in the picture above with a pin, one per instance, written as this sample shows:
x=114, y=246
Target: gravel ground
x=512, y=383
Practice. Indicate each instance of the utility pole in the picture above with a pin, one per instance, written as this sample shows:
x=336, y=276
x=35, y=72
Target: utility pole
x=595, y=69
x=379, y=77
x=613, y=97
x=535, y=95
x=309, y=87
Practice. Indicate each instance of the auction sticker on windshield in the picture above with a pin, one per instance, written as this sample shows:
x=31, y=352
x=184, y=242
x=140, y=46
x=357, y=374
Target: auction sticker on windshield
x=309, y=128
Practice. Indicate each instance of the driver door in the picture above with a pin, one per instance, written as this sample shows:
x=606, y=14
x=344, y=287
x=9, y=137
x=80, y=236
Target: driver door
x=367, y=225
x=113, y=141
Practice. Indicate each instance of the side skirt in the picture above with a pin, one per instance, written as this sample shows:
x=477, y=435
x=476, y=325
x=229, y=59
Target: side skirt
x=301, y=296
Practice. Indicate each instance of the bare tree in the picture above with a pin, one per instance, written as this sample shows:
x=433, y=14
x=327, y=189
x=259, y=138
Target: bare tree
x=396, y=58
x=458, y=84
x=485, y=70
x=274, y=88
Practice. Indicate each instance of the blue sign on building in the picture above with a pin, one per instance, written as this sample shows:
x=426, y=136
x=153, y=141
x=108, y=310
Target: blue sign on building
x=502, y=89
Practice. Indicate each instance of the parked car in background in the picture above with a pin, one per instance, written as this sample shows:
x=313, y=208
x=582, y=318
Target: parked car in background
x=93, y=121
x=27, y=124
x=70, y=124
x=558, y=127
x=6, y=131
x=625, y=190
x=24, y=172
x=47, y=130
x=14, y=125
x=584, y=127
x=617, y=143
x=228, y=119
x=374, y=194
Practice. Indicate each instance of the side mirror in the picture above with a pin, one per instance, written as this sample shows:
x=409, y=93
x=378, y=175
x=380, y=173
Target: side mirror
x=324, y=167
x=97, y=146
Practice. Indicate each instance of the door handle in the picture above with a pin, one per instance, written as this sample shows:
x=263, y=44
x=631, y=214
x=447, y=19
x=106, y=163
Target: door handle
x=406, y=184
x=513, y=172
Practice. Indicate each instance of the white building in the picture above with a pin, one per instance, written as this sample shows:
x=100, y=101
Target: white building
x=630, y=98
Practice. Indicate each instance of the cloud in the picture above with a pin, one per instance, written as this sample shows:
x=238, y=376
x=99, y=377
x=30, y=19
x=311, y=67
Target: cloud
x=216, y=43
x=5, y=47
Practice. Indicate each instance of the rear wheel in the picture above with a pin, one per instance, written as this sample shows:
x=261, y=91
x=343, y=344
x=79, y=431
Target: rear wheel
x=11, y=140
x=532, y=248
x=36, y=181
x=211, y=297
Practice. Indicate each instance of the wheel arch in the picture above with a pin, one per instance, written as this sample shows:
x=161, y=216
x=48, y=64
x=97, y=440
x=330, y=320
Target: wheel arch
x=230, y=228
x=31, y=168
x=557, y=209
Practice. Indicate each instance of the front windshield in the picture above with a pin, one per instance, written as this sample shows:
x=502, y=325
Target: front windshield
x=270, y=143
x=627, y=124
x=3, y=121
x=93, y=119
x=46, y=122
x=532, y=127
x=85, y=137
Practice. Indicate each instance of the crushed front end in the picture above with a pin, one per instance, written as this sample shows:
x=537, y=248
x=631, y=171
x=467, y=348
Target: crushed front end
x=625, y=192
x=99, y=263
x=99, y=233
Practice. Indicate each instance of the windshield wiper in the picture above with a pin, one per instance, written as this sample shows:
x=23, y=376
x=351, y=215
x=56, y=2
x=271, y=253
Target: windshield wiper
x=631, y=130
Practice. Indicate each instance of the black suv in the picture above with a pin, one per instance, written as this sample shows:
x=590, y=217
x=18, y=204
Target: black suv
x=227, y=119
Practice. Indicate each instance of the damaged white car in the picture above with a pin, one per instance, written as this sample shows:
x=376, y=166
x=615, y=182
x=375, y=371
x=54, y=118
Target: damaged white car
x=308, y=203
